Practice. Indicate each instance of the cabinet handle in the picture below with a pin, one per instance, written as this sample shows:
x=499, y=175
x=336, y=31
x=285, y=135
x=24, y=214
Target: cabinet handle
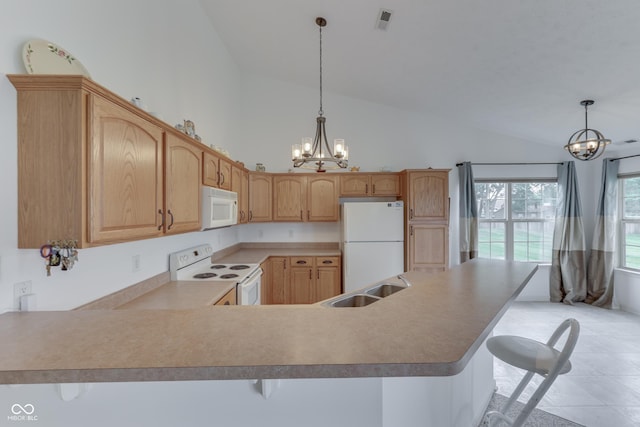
x=300, y=214
x=171, y=215
x=411, y=230
x=250, y=215
x=411, y=213
x=310, y=274
x=162, y=223
x=308, y=215
x=227, y=303
x=221, y=178
x=285, y=264
x=327, y=261
x=373, y=189
x=318, y=275
x=301, y=262
x=366, y=189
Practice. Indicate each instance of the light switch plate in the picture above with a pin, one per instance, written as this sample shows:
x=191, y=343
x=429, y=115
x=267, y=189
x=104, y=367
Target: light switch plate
x=20, y=289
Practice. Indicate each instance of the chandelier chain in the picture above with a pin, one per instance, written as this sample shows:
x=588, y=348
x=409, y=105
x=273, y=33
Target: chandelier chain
x=320, y=112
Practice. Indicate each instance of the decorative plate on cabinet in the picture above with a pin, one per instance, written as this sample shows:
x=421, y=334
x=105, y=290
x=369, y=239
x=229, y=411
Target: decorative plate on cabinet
x=44, y=57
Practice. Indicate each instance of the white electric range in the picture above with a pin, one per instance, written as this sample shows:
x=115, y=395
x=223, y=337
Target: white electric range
x=194, y=264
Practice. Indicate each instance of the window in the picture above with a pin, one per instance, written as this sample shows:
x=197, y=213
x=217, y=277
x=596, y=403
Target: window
x=516, y=219
x=630, y=222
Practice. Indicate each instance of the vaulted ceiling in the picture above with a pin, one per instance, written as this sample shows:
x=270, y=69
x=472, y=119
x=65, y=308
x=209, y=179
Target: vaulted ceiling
x=515, y=67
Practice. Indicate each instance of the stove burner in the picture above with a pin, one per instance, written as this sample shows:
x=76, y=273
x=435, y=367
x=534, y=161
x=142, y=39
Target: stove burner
x=204, y=275
x=229, y=276
x=218, y=266
x=239, y=267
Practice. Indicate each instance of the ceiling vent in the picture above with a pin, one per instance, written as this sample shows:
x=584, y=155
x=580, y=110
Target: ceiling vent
x=383, y=19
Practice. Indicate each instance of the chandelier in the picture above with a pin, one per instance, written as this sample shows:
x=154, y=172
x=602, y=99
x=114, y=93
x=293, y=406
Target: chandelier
x=586, y=144
x=316, y=153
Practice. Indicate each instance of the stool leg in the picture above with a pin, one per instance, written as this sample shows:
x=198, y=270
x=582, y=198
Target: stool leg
x=517, y=392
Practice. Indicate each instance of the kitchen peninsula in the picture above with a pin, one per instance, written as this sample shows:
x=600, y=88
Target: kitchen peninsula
x=435, y=328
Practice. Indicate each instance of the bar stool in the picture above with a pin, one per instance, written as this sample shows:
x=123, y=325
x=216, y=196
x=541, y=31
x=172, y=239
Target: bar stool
x=536, y=358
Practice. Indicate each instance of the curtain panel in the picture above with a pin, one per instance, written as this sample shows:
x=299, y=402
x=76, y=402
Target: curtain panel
x=468, y=213
x=602, y=259
x=568, y=275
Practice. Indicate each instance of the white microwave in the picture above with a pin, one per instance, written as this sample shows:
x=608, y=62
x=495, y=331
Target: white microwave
x=219, y=208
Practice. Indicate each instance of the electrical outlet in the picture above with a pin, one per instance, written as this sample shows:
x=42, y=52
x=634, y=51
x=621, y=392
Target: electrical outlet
x=20, y=289
x=135, y=263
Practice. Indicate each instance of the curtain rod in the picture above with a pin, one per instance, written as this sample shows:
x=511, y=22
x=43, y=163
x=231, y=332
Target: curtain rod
x=621, y=158
x=517, y=164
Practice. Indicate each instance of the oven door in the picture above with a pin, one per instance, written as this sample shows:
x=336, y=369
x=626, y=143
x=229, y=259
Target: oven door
x=248, y=291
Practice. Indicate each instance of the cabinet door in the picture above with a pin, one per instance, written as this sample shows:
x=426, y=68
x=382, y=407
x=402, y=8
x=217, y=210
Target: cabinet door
x=354, y=184
x=224, y=181
x=385, y=184
x=428, y=247
x=228, y=299
x=328, y=273
x=289, y=195
x=277, y=281
x=182, y=186
x=210, y=169
x=322, y=199
x=240, y=184
x=125, y=169
x=301, y=285
x=259, y=197
x=429, y=195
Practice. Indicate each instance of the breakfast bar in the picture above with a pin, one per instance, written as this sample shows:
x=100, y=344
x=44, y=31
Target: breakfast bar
x=434, y=328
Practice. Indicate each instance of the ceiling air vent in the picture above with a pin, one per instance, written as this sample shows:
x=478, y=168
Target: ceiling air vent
x=383, y=19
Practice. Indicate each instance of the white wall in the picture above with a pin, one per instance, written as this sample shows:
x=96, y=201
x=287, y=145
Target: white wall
x=164, y=52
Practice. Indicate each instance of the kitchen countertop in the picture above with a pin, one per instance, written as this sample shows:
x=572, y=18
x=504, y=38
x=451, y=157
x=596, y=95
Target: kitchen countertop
x=432, y=328
x=181, y=295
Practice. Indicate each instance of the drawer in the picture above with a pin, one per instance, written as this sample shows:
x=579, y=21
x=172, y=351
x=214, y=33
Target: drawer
x=327, y=261
x=301, y=261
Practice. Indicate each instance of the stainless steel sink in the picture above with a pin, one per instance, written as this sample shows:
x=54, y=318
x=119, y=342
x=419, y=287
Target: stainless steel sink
x=384, y=289
x=352, y=300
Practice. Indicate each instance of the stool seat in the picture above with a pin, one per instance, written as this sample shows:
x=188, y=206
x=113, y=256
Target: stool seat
x=535, y=358
x=527, y=354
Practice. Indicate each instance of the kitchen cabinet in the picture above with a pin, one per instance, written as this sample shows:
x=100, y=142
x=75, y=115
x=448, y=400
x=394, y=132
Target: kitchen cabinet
x=358, y=184
x=228, y=299
x=302, y=279
x=182, y=197
x=240, y=185
x=260, y=197
x=216, y=171
x=428, y=247
x=93, y=167
x=426, y=198
x=305, y=198
x=277, y=280
x=289, y=197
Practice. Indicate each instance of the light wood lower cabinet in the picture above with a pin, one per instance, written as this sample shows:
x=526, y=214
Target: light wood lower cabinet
x=228, y=299
x=428, y=247
x=302, y=280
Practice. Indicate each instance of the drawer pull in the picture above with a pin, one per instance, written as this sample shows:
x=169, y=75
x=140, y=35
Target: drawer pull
x=301, y=262
x=327, y=261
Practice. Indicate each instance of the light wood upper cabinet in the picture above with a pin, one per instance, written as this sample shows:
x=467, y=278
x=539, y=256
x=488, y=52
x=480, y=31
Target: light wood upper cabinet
x=216, y=171
x=94, y=168
x=322, y=198
x=303, y=198
x=183, y=200
x=358, y=184
x=427, y=195
x=289, y=198
x=125, y=186
x=260, y=197
x=240, y=185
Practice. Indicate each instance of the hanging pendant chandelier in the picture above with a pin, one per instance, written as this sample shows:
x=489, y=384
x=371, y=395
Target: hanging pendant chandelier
x=315, y=153
x=586, y=144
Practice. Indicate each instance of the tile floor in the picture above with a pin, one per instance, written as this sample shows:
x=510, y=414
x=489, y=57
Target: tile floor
x=603, y=388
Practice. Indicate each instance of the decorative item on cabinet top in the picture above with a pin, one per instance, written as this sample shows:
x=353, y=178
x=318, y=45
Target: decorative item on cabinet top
x=189, y=128
x=44, y=57
x=59, y=253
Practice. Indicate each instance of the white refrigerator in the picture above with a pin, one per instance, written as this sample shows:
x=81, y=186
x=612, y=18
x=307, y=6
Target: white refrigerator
x=372, y=242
